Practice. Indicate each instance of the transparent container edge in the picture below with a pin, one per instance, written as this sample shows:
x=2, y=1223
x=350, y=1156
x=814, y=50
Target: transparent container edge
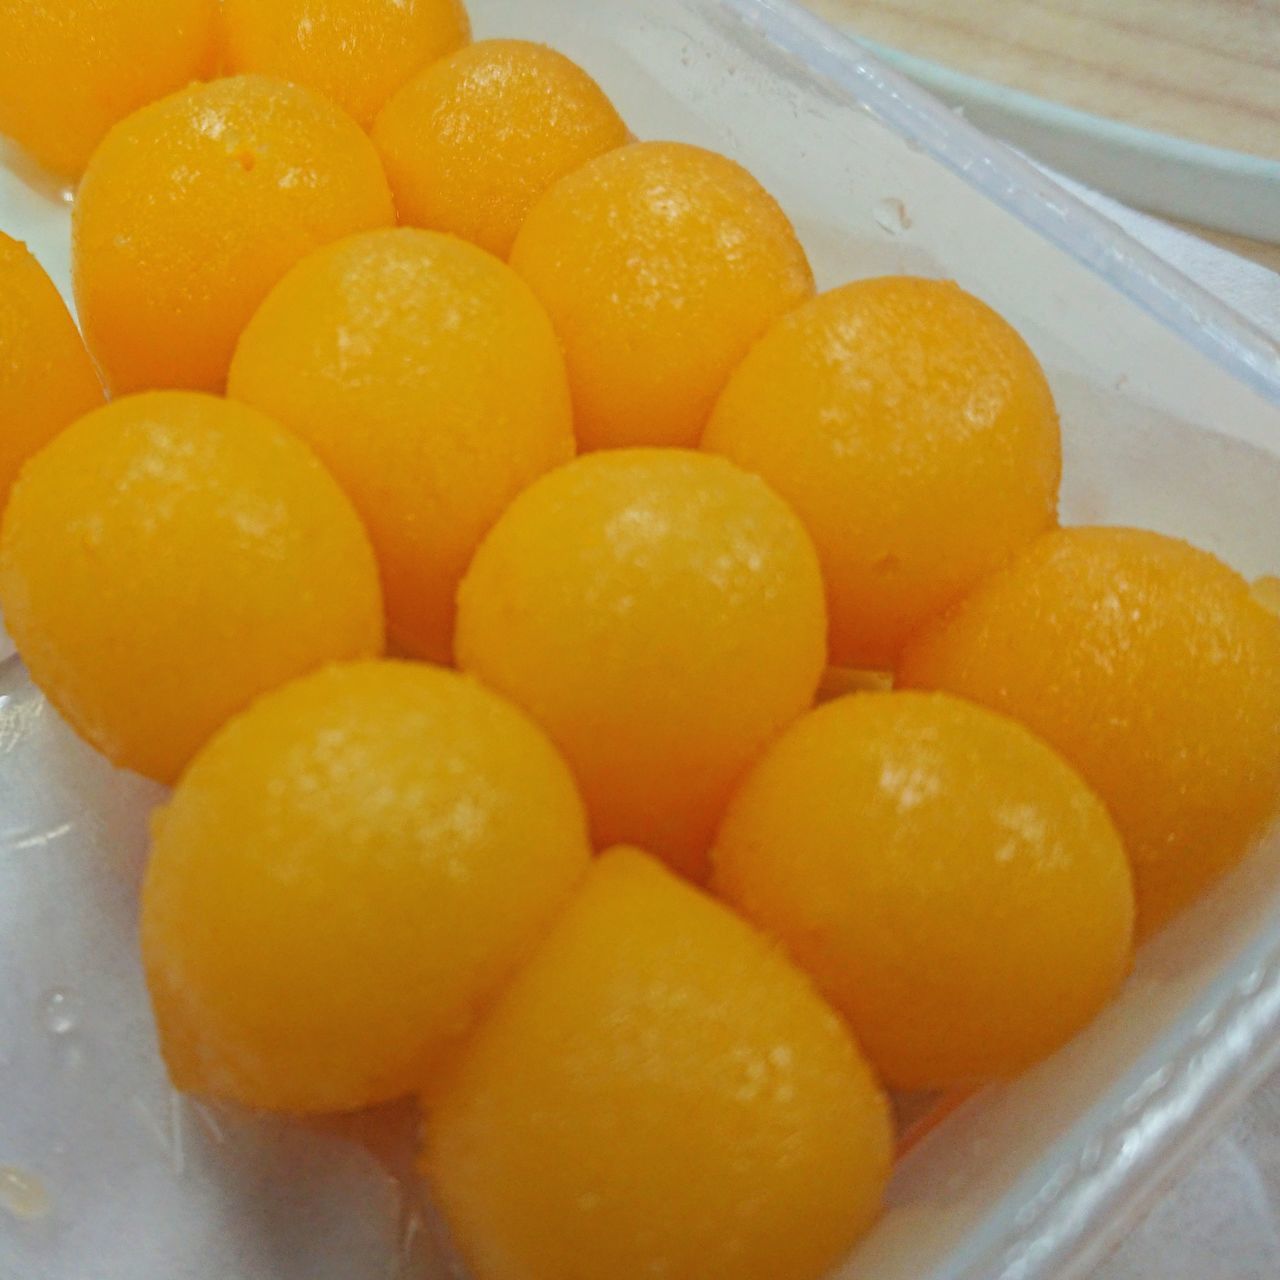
x=1016, y=185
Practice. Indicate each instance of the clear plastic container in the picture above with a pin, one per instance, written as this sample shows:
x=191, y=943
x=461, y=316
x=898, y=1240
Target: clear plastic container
x=1171, y=412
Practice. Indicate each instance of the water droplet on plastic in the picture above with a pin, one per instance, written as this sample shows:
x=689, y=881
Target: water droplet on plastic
x=209, y=1119
x=61, y=1012
x=67, y=195
x=409, y=1237
x=22, y=1193
x=167, y=1130
x=891, y=216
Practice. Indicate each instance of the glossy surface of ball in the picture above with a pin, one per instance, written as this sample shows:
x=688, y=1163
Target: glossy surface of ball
x=1150, y=667
x=660, y=264
x=426, y=376
x=356, y=52
x=657, y=1093
x=343, y=875
x=46, y=377
x=70, y=69
x=914, y=433
x=195, y=206
x=170, y=557
x=951, y=884
x=660, y=614
x=472, y=142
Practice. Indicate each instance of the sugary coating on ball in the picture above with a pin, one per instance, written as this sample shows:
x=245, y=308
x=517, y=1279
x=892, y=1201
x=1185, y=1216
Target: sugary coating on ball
x=473, y=141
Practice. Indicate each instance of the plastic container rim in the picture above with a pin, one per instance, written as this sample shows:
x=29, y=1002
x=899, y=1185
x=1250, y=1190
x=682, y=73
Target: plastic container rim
x=1016, y=185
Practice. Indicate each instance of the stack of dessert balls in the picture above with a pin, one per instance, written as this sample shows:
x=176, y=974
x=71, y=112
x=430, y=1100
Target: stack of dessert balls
x=639, y=705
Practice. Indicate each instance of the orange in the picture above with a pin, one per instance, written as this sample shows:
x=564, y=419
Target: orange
x=473, y=141
x=69, y=69
x=343, y=875
x=46, y=379
x=660, y=614
x=658, y=1093
x=195, y=206
x=1149, y=667
x=168, y=558
x=660, y=264
x=952, y=886
x=428, y=379
x=915, y=435
x=357, y=52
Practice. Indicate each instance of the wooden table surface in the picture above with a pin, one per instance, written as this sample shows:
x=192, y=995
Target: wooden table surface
x=1208, y=70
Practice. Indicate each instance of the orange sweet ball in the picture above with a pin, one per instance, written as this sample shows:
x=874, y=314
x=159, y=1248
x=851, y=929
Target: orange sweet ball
x=658, y=1093
x=195, y=206
x=428, y=379
x=168, y=558
x=915, y=435
x=660, y=614
x=1147, y=664
x=357, y=52
x=951, y=884
x=69, y=69
x=474, y=140
x=343, y=874
x=660, y=264
x=46, y=379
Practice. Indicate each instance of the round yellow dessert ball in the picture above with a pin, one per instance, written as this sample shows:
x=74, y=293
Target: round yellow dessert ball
x=660, y=614
x=658, y=1093
x=343, y=875
x=69, y=69
x=915, y=435
x=951, y=884
x=428, y=379
x=1150, y=667
x=170, y=557
x=46, y=378
x=473, y=141
x=195, y=206
x=660, y=264
x=357, y=52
